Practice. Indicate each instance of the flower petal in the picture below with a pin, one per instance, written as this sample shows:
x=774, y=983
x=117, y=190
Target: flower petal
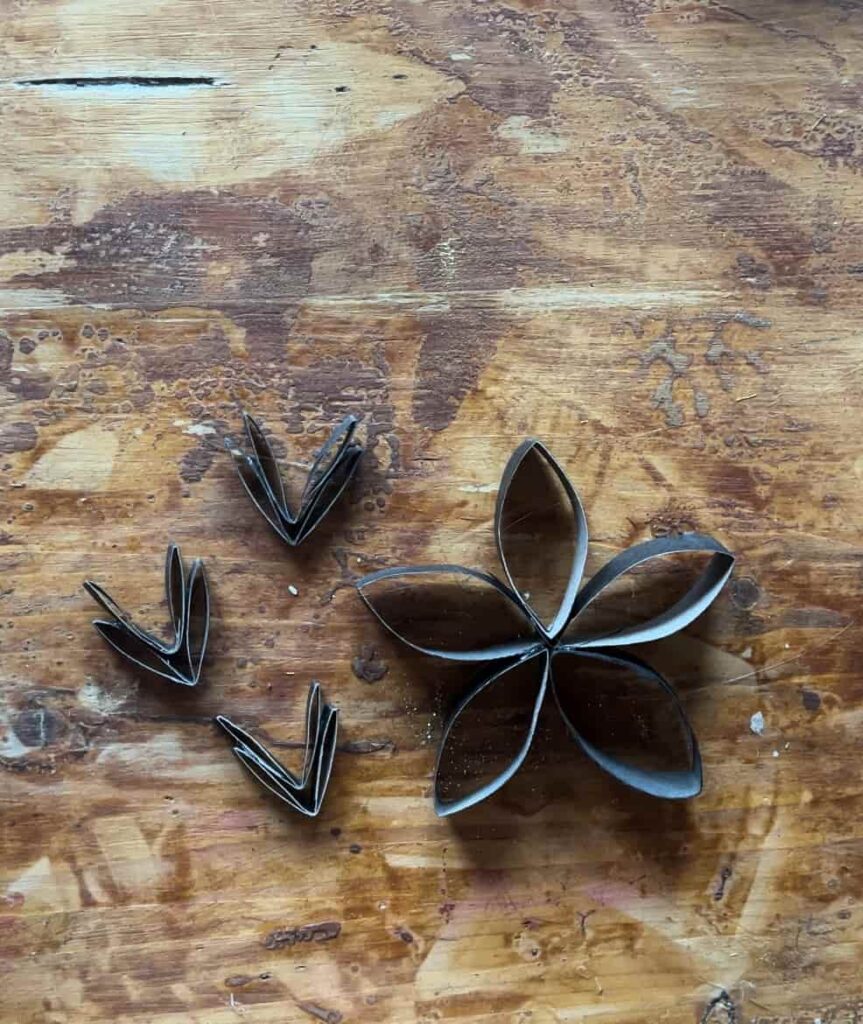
x=330, y=454
x=124, y=621
x=143, y=655
x=262, y=498
x=306, y=793
x=175, y=590
x=322, y=756
x=327, y=492
x=541, y=533
x=266, y=461
x=197, y=619
x=258, y=753
x=485, y=742
x=274, y=783
x=696, y=600
x=449, y=611
x=628, y=720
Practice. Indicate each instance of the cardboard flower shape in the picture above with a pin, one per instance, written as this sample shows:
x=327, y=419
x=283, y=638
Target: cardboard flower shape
x=178, y=658
x=304, y=792
x=471, y=616
x=331, y=471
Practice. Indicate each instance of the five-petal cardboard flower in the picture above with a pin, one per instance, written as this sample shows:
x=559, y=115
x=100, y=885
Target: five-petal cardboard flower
x=546, y=649
x=331, y=471
x=179, y=658
x=304, y=793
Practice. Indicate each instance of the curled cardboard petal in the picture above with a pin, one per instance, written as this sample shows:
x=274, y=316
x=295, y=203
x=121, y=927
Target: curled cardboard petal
x=144, y=656
x=331, y=471
x=179, y=658
x=196, y=618
x=449, y=611
x=175, y=588
x=326, y=493
x=696, y=600
x=534, y=667
x=122, y=618
x=536, y=504
x=265, y=461
x=331, y=454
x=655, y=774
x=303, y=793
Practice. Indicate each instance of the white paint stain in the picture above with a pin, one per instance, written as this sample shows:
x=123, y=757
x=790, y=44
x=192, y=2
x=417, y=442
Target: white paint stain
x=165, y=756
x=200, y=430
x=533, y=140
x=47, y=886
x=31, y=298
x=10, y=745
x=32, y=261
x=133, y=865
x=478, y=488
x=446, y=254
x=756, y=723
x=105, y=702
x=81, y=461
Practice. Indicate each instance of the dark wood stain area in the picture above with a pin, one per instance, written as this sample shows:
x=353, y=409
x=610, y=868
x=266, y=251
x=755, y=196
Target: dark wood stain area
x=630, y=228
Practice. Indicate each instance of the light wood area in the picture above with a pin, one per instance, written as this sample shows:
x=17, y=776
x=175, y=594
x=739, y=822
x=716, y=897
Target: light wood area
x=631, y=228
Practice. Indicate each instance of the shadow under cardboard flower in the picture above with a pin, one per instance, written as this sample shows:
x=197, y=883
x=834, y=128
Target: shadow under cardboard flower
x=541, y=644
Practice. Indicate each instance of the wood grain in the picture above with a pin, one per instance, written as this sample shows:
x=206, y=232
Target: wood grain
x=631, y=228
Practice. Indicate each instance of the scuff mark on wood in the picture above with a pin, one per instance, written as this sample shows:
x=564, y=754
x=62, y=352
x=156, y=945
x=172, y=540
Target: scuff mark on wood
x=319, y=1012
x=324, y=932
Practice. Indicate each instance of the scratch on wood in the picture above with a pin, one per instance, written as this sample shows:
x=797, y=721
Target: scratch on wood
x=320, y=1013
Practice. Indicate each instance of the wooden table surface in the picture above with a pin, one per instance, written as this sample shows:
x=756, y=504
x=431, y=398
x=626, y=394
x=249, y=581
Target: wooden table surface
x=631, y=228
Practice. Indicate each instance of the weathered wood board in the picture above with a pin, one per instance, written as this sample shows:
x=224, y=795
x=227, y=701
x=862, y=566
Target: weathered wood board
x=629, y=227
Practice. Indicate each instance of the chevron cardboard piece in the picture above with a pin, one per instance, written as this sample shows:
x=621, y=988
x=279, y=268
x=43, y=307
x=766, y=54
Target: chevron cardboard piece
x=180, y=657
x=305, y=792
x=331, y=471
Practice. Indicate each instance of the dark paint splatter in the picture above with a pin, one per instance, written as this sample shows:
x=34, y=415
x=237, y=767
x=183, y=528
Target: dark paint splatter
x=367, y=667
x=811, y=700
x=17, y=437
x=38, y=727
x=745, y=592
x=282, y=937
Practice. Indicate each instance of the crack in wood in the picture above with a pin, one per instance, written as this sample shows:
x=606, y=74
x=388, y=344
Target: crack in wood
x=724, y=875
x=137, y=81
